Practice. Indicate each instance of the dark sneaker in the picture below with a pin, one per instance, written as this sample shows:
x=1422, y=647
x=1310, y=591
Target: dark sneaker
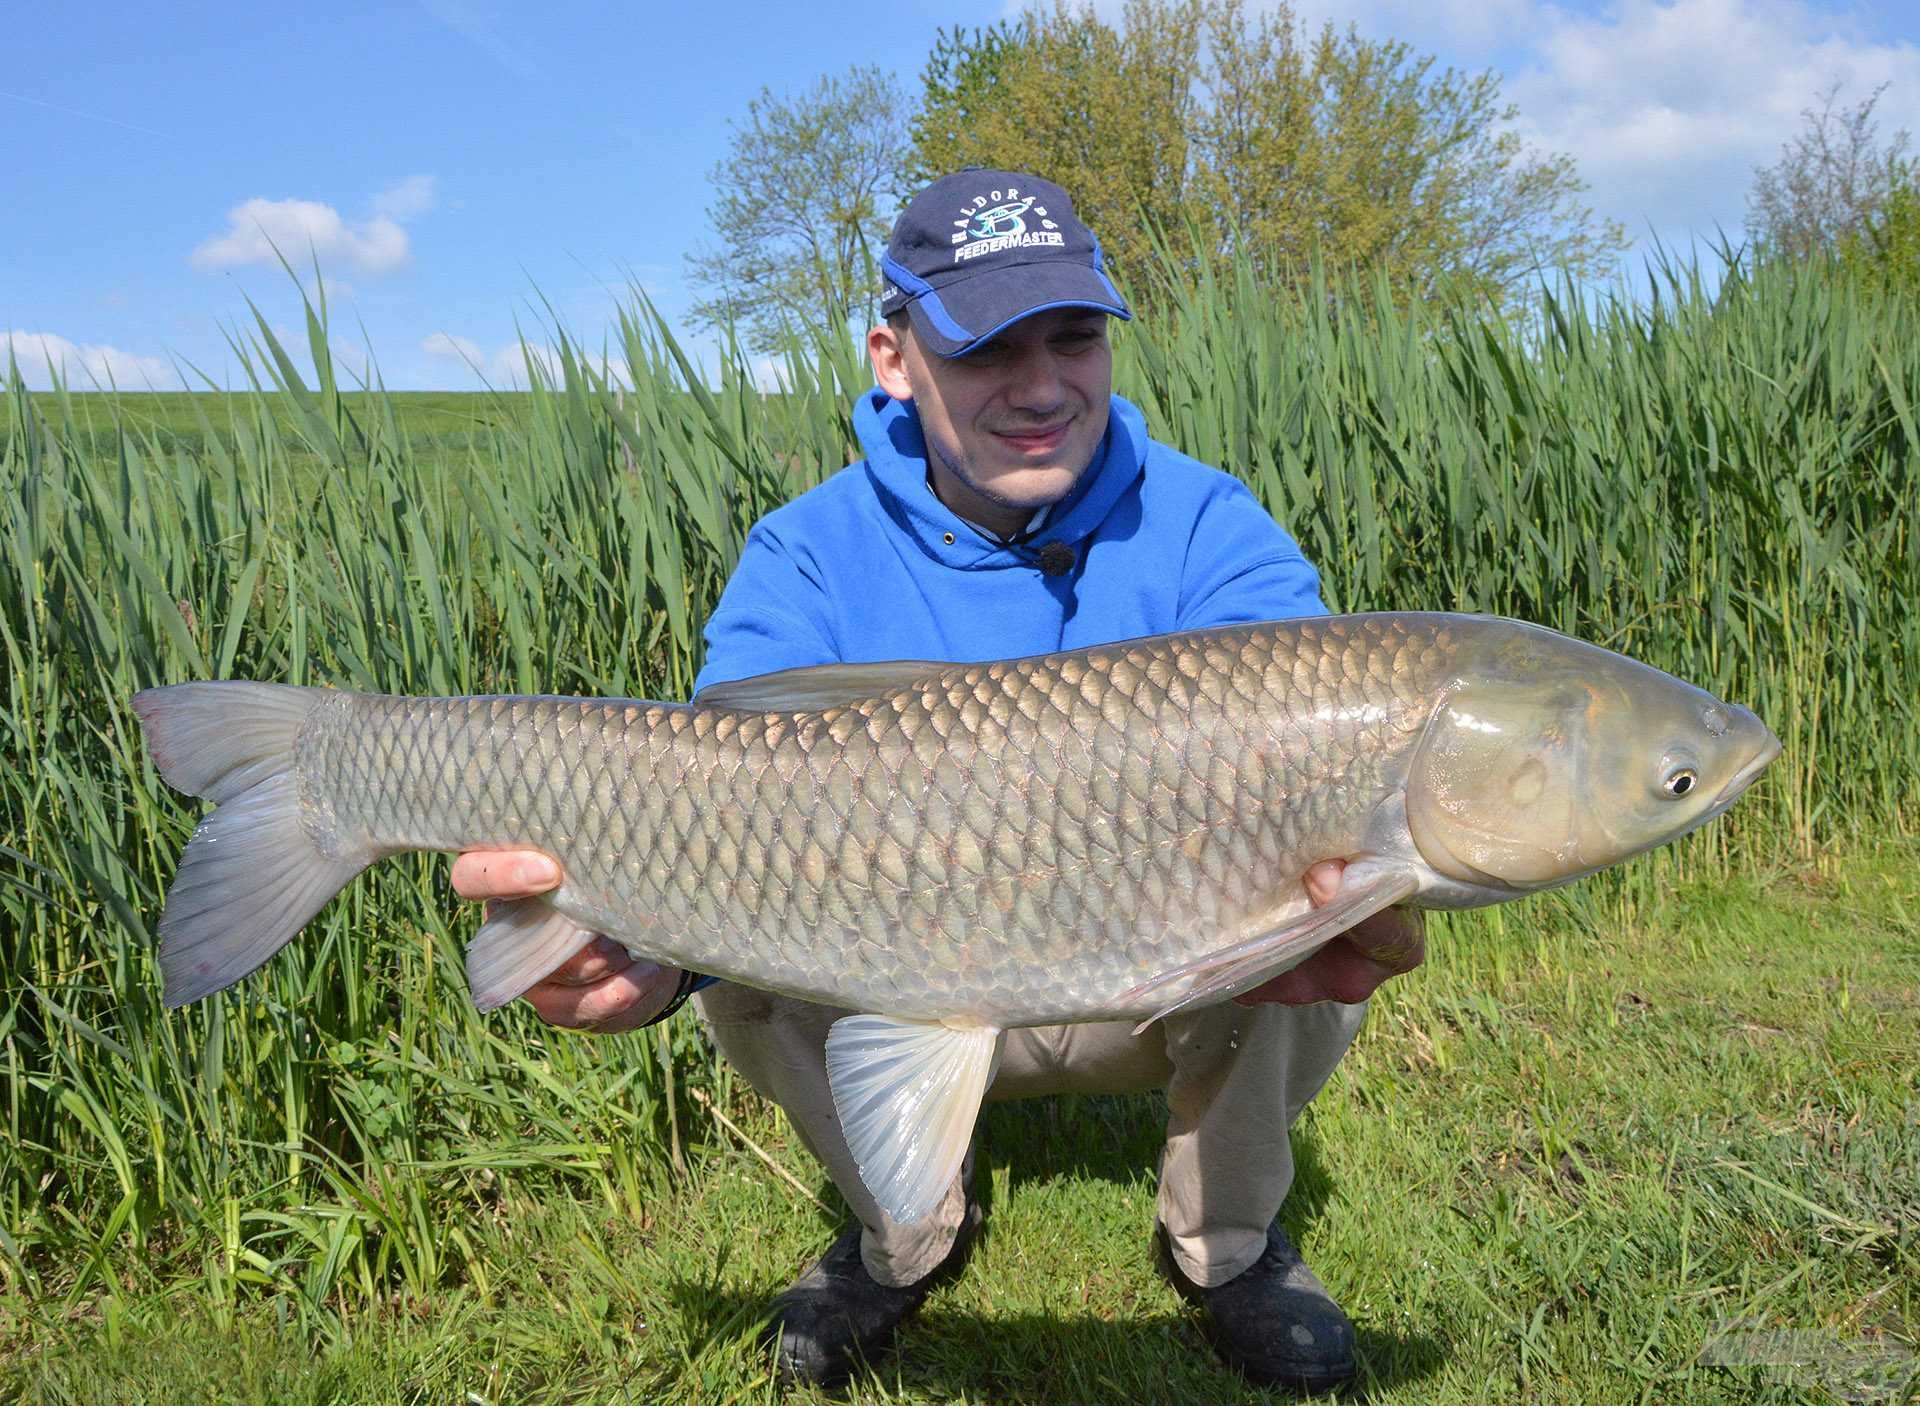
x=837, y=1313
x=1274, y=1322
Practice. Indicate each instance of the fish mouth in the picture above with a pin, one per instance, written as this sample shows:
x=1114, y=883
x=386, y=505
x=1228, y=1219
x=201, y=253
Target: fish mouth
x=1743, y=778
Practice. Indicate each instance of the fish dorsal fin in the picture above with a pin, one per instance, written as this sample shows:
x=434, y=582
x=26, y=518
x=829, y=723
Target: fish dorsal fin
x=908, y=1092
x=815, y=688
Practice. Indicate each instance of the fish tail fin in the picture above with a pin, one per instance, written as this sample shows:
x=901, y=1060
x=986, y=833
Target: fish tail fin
x=253, y=874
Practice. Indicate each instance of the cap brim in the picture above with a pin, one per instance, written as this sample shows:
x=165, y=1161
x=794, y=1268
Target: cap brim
x=969, y=311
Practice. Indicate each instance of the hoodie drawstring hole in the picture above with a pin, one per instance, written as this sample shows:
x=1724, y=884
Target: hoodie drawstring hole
x=947, y=537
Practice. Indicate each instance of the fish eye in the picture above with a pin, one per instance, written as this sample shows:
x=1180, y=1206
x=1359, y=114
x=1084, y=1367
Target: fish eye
x=1682, y=781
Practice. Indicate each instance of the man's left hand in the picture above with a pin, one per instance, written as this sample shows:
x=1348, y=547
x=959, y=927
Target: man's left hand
x=1350, y=967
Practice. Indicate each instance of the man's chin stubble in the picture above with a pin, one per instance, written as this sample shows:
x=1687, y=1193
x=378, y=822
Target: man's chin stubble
x=1000, y=500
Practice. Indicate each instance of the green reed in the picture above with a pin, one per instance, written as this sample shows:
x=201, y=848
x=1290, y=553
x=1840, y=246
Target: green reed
x=1721, y=482
x=1718, y=481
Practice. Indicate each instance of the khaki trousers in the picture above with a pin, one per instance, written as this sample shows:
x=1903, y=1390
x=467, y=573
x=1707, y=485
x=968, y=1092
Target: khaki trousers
x=1236, y=1078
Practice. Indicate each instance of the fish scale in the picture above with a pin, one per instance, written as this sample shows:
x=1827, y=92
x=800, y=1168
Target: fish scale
x=1098, y=815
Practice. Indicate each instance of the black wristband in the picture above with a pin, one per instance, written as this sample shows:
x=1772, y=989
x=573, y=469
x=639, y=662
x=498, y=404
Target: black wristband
x=690, y=982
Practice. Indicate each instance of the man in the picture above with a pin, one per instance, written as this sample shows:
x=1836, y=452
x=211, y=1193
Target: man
x=1009, y=504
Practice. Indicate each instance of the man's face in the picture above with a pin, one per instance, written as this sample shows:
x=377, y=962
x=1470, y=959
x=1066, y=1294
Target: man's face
x=1012, y=425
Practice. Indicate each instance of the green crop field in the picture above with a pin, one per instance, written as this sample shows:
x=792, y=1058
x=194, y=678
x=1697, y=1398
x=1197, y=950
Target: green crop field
x=1598, y=1124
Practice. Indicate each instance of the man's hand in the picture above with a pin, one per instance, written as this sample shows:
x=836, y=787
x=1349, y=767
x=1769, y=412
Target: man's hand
x=1351, y=966
x=600, y=988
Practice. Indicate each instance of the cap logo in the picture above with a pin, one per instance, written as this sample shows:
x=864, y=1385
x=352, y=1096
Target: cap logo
x=996, y=221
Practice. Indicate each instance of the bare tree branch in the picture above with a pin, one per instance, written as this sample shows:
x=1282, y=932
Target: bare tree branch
x=1832, y=180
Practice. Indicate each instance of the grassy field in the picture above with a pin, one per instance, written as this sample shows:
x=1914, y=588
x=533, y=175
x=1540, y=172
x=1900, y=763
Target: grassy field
x=1597, y=1124
x=1557, y=1158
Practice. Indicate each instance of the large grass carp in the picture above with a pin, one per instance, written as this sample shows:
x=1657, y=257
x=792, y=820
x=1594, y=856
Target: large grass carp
x=959, y=848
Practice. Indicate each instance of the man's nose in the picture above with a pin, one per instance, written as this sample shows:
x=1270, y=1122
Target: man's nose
x=1035, y=381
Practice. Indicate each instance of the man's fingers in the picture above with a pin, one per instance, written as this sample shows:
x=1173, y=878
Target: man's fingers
x=1335, y=973
x=519, y=873
x=597, y=961
x=1352, y=966
x=626, y=1000
x=1322, y=881
x=1395, y=938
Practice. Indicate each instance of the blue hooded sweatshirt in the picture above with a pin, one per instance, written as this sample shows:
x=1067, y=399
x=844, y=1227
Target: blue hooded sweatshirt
x=871, y=566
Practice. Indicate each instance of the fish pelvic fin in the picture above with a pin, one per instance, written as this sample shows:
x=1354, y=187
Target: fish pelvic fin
x=253, y=874
x=1364, y=891
x=908, y=1093
x=521, y=942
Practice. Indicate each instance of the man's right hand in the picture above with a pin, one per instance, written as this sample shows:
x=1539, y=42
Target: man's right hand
x=600, y=988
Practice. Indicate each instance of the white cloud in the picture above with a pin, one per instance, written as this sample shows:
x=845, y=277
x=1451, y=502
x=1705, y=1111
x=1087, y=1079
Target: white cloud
x=482, y=22
x=304, y=230
x=446, y=345
x=84, y=367
x=1668, y=108
x=352, y=365
x=299, y=229
x=1448, y=26
x=1666, y=105
x=769, y=373
x=408, y=199
x=506, y=366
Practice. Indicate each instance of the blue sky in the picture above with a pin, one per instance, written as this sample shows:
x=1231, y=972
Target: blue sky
x=448, y=158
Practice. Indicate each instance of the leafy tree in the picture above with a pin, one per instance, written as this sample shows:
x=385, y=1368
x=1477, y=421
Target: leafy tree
x=1102, y=112
x=1887, y=249
x=803, y=205
x=1832, y=183
x=1263, y=137
x=958, y=86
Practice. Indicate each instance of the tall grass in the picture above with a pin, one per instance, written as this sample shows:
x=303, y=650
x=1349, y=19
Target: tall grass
x=1720, y=482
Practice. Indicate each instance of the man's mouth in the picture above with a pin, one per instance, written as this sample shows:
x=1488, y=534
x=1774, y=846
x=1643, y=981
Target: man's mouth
x=1035, y=443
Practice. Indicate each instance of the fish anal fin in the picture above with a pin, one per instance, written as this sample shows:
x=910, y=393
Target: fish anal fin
x=908, y=1093
x=1364, y=891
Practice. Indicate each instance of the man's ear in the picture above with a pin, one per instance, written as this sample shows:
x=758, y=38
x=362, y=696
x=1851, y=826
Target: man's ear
x=887, y=350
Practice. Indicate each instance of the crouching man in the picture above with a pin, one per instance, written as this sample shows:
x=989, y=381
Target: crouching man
x=1010, y=504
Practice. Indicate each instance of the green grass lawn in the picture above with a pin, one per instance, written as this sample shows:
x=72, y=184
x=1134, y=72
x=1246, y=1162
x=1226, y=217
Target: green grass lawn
x=1558, y=1157
x=174, y=412
x=432, y=421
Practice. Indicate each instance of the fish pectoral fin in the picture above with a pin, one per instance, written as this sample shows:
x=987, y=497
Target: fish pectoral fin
x=521, y=942
x=908, y=1092
x=1363, y=892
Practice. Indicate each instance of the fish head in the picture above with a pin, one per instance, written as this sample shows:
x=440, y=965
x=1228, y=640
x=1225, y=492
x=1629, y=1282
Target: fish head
x=1548, y=758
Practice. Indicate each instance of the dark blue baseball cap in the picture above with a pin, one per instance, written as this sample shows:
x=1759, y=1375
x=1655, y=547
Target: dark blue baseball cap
x=975, y=252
